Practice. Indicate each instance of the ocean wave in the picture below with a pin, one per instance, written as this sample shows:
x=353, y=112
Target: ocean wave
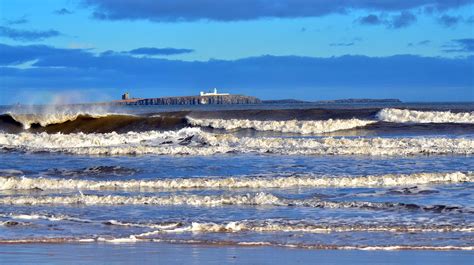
x=45, y=119
x=332, y=125
x=390, y=180
x=88, y=122
x=57, y=218
x=93, y=171
x=78, y=140
x=287, y=126
x=48, y=217
x=256, y=225
x=293, y=226
x=271, y=226
x=415, y=116
x=103, y=121
x=191, y=200
x=193, y=141
x=248, y=199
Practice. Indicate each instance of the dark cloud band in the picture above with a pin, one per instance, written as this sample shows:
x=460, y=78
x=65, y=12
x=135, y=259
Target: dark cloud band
x=232, y=10
x=57, y=68
x=27, y=35
x=159, y=51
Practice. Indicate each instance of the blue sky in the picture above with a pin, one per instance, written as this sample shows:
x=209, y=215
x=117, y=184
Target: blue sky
x=93, y=50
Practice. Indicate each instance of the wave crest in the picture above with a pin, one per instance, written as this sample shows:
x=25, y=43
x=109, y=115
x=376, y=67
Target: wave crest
x=24, y=183
x=306, y=227
x=193, y=141
x=27, y=120
x=415, y=116
x=248, y=199
x=287, y=126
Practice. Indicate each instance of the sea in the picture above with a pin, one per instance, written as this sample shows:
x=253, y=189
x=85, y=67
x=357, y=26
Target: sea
x=359, y=176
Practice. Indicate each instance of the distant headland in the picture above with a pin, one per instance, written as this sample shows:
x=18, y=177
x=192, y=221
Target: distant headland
x=214, y=97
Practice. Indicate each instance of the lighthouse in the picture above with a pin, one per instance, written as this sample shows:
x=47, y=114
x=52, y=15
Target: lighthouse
x=215, y=93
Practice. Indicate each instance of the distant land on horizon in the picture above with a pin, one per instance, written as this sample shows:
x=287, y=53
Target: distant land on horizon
x=348, y=100
x=133, y=101
x=227, y=99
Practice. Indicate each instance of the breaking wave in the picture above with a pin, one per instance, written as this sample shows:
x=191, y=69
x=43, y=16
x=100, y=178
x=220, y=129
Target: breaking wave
x=27, y=120
x=331, y=125
x=313, y=121
x=265, y=226
x=191, y=200
x=257, y=225
x=390, y=180
x=249, y=199
x=415, y=116
x=193, y=141
x=48, y=217
x=88, y=122
x=288, y=126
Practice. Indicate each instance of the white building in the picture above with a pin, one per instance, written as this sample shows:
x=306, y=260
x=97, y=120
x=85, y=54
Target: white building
x=212, y=93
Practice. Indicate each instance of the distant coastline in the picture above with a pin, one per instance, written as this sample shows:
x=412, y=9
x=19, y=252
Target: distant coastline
x=349, y=100
x=213, y=98
x=284, y=101
x=239, y=99
x=361, y=100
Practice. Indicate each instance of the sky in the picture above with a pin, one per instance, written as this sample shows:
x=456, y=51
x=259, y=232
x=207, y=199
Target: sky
x=69, y=51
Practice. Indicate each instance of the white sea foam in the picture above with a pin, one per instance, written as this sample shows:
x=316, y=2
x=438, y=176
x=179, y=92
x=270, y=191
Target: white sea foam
x=399, y=247
x=289, y=126
x=249, y=199
x=308, y=180
x=356, y=146
x=331, y=125
x=266, y=226
x=414, y=116
x=192, y=200
x=260, y=226
x=120, y=240
x=52, y=218
x=81, y=140
x=134, y=239
x=203, y=143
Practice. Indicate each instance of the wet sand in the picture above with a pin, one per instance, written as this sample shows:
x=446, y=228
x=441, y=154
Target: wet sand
x=161, y=253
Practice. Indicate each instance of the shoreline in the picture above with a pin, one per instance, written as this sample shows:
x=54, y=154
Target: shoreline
x=167, y=253
x=133, y=240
